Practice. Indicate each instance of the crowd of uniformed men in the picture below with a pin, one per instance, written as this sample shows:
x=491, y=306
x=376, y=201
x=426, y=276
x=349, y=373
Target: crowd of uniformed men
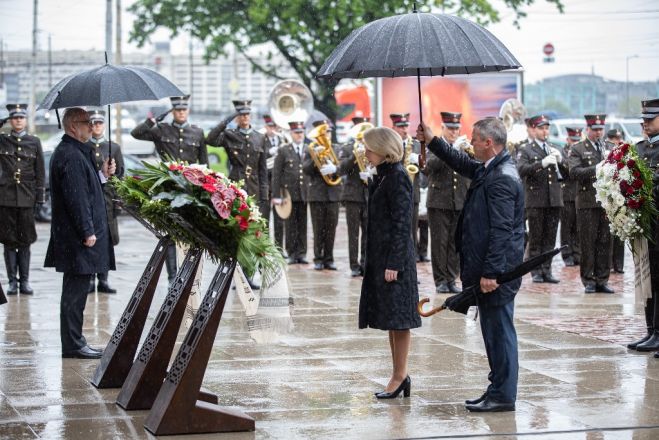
x=558, y=182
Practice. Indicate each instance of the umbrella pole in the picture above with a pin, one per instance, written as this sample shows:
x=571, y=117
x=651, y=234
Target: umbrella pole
x=109, y=132
x=422, y=158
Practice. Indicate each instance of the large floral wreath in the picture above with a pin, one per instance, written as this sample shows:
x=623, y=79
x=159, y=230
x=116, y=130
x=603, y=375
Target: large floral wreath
x=624, y=189
x=217, y=213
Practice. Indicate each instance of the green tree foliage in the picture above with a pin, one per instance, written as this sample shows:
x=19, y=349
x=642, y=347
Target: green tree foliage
x=303, y=32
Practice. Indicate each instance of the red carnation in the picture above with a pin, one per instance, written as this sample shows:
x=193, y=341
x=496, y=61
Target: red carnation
x=636, y=173
x=623, y=186
x=620, y=165
x=209, y=187
x=624, y=148
x=243, y=206
x=633, y=204
x=175, y=167
x=631, y=163
x=617, y=155
x=637, y=184
x=242, y=222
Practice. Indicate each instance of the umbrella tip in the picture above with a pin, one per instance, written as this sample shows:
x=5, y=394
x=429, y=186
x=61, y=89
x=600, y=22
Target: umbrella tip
x=106, y=57
x=415, y=10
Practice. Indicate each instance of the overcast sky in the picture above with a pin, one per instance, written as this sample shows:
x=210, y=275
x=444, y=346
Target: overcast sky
x=599, y=35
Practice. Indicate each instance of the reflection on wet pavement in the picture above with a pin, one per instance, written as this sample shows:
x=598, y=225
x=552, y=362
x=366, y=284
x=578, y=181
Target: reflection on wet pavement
x=577, y=379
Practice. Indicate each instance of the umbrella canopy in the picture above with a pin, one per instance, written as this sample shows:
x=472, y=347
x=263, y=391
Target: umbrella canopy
x=417, y=44
x=109, y=84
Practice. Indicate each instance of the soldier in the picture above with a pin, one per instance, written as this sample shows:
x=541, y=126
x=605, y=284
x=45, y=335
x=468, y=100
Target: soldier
x=354, y=197
x=323, y=200
x=648, y=150
x=541, y=166
x=594, y=233
x=411, y=150
x=275, y=140
x=178, y=141
x=614, y=137
x=569, y=231
x=101, y=148
x=22, y=177
x=446, y=195
x=287, y=173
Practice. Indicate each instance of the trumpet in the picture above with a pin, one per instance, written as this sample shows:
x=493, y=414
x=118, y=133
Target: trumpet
x=462, y=143
x=357, y=132
x=412, y=170
x=320, y=138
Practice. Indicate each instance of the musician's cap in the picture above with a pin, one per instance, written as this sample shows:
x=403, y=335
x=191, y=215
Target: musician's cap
x=269, y=121
x=243, y=106
x=614, y=133
x=321, y=122
x=538, y=121
x=595, y=121
x=527, y=121
x=296, y=126
x=400, y=119
x=17, y=110
x=96, y=116
x=650, y=108
x=574, y=133
x=451, y=119
x=180, y=102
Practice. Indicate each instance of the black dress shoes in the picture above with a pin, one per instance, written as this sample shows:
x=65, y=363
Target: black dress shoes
x=589, y=289
x=476, y=401
x=453, y=288
x=329, y=266
x=405, y=386
x=423, y=259
x=355, y=273
x=85, y=352
x=443, y=288
x=618, y=270
x=291, y=260
x=550, y=279
x=538, y=279
x=652, y=344
x=302, y=260
x=104, y=287
x=603, y=288
x=490, y=405
x=656, y=355
x=318, y=266
x=25, y=288
x=633, y=345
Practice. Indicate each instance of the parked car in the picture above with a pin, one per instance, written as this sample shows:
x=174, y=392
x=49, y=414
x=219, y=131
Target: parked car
x=630, y=128
x=558, y=132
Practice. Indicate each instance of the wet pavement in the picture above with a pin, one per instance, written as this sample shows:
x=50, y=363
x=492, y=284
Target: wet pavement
x=577, y=379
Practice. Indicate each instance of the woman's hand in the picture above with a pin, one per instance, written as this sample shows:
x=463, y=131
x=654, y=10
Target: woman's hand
x=390, y=275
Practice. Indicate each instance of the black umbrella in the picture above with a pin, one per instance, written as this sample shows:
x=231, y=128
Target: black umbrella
x=109, y=84
x=462, y=301
x=3, y=298
x=417, y=44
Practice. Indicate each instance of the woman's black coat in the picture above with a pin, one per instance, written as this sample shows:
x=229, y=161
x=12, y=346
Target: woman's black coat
x=389, y=245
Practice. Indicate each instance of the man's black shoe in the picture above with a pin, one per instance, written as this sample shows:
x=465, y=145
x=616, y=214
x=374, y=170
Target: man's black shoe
x=443, y=288
x=329, y=266
x=652, y=344
x=302, y=260
x=489, y=405
x=550, y=279
x=91, y=288
x=12, y=288
x=616, y=270
x=423, y=259
x=656, y=355
x=291, y=260
x=453, y=288
x=104, y=287
x=569, y=262
x=318, y=266
x=355, y=273
x=589, y=289
x=83, y=353
x=603, y=288
x=538, y=279
x=476, y=401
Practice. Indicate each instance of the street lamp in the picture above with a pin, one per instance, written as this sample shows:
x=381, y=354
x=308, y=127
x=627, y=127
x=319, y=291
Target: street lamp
x=627, y=58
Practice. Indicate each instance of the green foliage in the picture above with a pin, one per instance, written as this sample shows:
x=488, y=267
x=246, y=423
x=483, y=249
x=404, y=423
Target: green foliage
x=303, y=32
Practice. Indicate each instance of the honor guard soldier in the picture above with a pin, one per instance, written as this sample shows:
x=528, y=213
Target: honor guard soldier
x=592, y=221
x=354, y=197
x=446, y=195
x=614, y=138
x=541, y=167
x=179, y=141
x=569, y=231
x=22, y=177
x=648, y=151
x=102, y=149
x=411, y=151
x=275, y=141
x=287, y=174
x=323, y=200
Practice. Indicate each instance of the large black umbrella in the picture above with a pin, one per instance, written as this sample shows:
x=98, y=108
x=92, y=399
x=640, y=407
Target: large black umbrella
x=462, y=301
x=417, y=44
x=3, y=298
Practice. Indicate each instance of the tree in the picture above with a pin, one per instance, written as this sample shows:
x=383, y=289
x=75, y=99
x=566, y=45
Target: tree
x=304, y=33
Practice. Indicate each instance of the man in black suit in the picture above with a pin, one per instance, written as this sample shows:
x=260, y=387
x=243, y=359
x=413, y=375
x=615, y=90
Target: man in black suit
x=80, y=244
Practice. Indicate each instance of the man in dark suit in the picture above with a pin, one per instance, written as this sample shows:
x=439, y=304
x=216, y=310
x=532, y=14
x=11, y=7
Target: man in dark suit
x=593, y=224
x=541, y=166
x=490, y=240
x=80, y=244
x=569, y=231
x=287, y=174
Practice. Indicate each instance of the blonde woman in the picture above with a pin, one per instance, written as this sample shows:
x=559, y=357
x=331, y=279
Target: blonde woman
x=389, y=291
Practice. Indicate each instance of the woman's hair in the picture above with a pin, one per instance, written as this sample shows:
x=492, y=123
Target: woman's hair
x=385, y=142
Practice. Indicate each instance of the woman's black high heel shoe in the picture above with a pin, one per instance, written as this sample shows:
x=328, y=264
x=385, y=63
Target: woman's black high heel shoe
x=405, y=386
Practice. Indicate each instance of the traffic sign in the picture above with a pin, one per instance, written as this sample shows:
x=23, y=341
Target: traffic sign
x=548, y=49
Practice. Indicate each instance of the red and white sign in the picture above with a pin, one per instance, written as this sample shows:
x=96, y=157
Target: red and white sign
x=548, y=49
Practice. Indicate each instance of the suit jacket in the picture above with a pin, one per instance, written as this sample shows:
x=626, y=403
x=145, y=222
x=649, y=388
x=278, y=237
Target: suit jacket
x=569, y=185
x=22, y=171
x=354, y=188
x=288, y=174
x=541, y=185
x=582, y=160
x=78, y=211
x=317, y=189
x=184, y=144
x=446, y=188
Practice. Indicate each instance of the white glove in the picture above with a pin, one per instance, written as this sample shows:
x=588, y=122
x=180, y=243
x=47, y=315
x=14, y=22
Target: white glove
x=364, y=175
x=328, y=168
x=273, y=151
x=557, y=154
x=414, y=158
x=319, y=149
x=548, y=160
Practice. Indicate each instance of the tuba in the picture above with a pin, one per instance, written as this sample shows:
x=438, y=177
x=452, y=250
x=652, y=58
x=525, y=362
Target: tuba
x=357, y=133
x=513, y=113
x=290, y=100
x=321, y=138
x=412, y=170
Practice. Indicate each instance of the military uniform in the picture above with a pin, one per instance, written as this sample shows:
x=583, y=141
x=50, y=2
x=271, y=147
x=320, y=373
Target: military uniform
x=569, y=231
x=22, y=185
x=287, y=173
x=594, y=233
x=275, y=142
x=446, y=195
x=543, y=198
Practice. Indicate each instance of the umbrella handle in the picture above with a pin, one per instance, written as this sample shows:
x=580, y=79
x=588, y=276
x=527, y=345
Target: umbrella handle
x=419, y=308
